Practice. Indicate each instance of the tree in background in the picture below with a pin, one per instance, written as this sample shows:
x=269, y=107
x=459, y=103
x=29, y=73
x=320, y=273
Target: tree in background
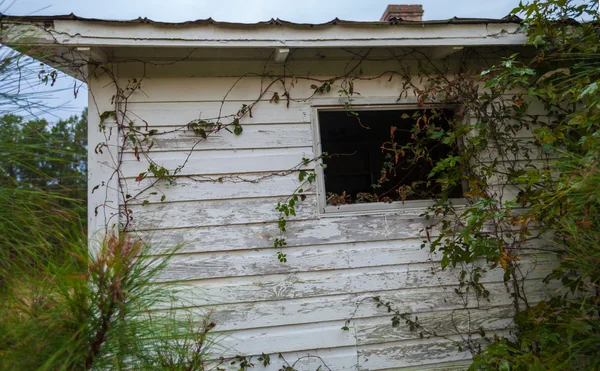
x=64, y=306
x=56, y=158
x=43, y=186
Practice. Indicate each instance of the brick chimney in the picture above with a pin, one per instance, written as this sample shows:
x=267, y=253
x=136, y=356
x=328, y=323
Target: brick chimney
x=404, y=11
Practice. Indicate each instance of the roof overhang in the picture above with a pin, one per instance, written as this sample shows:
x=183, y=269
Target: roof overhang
x=91, y=36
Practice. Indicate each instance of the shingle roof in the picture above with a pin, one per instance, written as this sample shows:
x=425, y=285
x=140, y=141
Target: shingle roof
x=272, y=21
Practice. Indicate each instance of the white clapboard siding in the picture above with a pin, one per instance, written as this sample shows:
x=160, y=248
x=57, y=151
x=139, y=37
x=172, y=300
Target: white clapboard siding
x=294, y=285
x=336, y=359
x=219, y=162
x=327, y=230
x=355, y=307
x=253, y=137
x=180, y=113
x=329, y=334
x=167, y=215
x=362, y=228
x=217, y=89
x=419, y=353
x=216, y=188
x=442, y=323
x=306, y=337
x=255, y=263
x=224, y=221
x=525, y=154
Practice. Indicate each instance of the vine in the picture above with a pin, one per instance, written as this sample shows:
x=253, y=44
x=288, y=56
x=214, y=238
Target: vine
x=457, y=227
x=490, y=159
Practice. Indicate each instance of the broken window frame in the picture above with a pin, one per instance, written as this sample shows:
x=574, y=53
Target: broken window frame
x=371, y=207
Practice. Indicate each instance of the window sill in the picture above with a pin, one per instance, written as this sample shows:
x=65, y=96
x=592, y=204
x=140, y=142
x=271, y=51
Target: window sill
x=408, y=207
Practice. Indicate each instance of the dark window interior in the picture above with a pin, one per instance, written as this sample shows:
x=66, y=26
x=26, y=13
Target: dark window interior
x=356, y=159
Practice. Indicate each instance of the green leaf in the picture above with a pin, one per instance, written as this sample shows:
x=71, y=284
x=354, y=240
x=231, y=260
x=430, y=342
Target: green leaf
x=589, y=90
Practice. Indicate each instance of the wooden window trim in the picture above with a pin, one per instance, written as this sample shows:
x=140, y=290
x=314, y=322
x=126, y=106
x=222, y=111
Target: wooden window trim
x=363, y=104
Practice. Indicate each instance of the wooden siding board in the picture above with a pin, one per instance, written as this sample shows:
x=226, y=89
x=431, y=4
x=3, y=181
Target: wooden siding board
x=179, y=113
x=265, y=35
x=336, y=359
x=167, y=215
x=218, y=162
x=292, y=67
x=218, y=89
x=210, y=188
x=411, y=353
x=253, y=137
x=226, y=264
x=293, y=338
x=103, y=195
x=328, y=230
x=443, y=323
x=403, y=262
x=360, y=308
x=285, y=286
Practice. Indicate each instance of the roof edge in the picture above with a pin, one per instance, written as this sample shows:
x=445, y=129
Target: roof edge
x=272, y=21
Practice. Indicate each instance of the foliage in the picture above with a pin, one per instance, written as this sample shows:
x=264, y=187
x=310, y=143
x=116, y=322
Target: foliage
x=62, y=305
x=518, y=189
x=564, y=332
x=48, y=157
x=43, y=181
x=521, y=189
x=94, y=311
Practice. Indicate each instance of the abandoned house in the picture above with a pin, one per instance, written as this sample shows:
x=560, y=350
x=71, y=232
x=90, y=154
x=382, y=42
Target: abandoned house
x=197, y=130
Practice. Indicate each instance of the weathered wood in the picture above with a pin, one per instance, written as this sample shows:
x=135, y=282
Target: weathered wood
x=444, y=366
x=249, y=54
x=336, y=359
x=348, y=35
x=401, y=224
x=201, y=189
x=201, y=89
x=336, y=264
x=329, y=335
x=315, y=258
x=305, y=337
x=180, y=113
x=328, y=230
x=413, y=299
x=521, y=153
x=102, y=193
x=253, y=137
x=311, y=258
x=167, y=215
x=441, y=323
x=315, y=283
x=411, y=353
x=219, y=162
x=312, y=338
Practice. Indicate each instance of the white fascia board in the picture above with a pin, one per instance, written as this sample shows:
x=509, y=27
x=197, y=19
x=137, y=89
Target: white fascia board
x=78, y=33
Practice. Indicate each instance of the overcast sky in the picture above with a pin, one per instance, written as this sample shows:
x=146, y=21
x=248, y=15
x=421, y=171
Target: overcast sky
x=309, y=11
x=306, y=11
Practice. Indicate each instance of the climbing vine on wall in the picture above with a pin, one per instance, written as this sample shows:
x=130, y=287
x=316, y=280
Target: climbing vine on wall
x=511, y=123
